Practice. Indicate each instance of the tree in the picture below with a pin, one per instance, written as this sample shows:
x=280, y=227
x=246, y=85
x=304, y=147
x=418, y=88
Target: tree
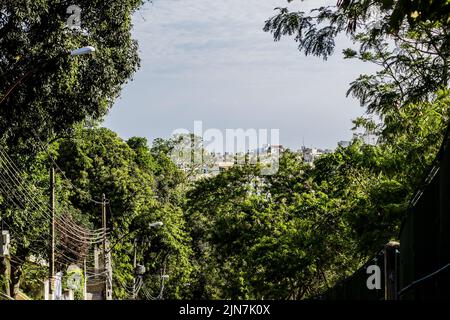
x=97, y=161
x=413, y=61
x=293, y=234
x=414, y=11
x=348, y=15
x=25, y=213
x=265, y=237
x=61, y=91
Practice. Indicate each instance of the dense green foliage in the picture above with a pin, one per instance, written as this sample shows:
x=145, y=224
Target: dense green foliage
x=61, y=90
x=97, y=161
x=414, y=11
x=240, y=234
x=291, y=235
x=44, y=93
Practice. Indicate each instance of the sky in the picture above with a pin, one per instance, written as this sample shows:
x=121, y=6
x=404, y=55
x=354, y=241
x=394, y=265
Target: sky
x=210, y=61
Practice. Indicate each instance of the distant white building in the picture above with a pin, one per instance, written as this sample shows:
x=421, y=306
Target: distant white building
x=218, y=162
x=275, y=149
x=310, y=154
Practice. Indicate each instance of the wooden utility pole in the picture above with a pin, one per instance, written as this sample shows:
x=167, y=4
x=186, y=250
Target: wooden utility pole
x=134, y=270
x=84, y=280
x=105, y=288
x=106, y=255
x=390, y=270
x=104, y=222
x=51, y=262
x=6, y=263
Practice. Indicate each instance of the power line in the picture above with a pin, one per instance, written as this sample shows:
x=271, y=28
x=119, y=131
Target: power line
x=18, y=193
x=21, y=185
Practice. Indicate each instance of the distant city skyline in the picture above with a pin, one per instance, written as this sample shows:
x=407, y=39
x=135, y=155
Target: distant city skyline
x=223, y=70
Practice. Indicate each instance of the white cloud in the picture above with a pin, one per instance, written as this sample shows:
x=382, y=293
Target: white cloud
x=191, y=34
x=210, y=60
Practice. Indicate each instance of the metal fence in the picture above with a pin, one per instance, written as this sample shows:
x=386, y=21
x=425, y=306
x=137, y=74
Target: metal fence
x=355, y=286
x=421, y=268
x=425, y=236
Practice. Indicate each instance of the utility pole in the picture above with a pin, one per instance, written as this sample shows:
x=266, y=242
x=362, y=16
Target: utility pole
x=4, y=252
x=134, y=271
x=51, y=262
x=84, y=280
x=105, y=289
x=391, y=270
x=106, y=255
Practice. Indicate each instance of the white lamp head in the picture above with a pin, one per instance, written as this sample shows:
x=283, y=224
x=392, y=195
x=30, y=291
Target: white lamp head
x=82, y=51
x=156, y=224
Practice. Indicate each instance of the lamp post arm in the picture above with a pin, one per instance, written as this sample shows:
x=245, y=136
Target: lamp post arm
x=120, y=240
x=29, y=73
x=16, y=84
x=76, y=52
x=151, y=225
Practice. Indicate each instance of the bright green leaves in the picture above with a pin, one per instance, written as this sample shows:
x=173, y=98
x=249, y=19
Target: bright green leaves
x=97, y=161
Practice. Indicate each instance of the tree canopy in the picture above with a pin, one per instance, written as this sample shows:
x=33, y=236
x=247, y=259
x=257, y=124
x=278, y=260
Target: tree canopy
x=59, y=90
x=239, y=234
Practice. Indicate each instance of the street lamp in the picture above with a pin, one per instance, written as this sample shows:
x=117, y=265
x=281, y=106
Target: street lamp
x=82, y=51
x=77, y=52
x=156, y=224
x=139, y=270
x=151, y=225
